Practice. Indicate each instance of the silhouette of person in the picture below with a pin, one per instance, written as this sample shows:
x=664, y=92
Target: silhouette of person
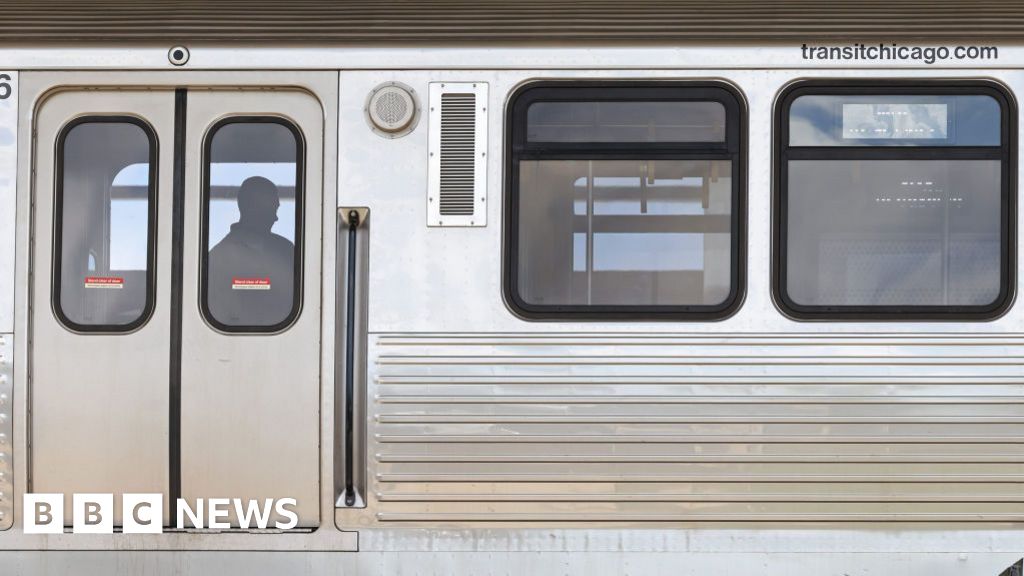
x=251, y=271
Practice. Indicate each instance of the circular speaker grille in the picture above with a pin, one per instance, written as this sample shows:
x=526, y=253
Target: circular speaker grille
x=391, y=109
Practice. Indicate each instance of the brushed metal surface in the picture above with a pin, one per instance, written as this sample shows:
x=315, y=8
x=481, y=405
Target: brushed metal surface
x=528, y=561
x=99, y=404
x=250, y=403
x=527, y=428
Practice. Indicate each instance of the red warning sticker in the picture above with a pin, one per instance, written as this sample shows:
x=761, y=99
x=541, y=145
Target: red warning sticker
x=250, y=283
x=115, y=282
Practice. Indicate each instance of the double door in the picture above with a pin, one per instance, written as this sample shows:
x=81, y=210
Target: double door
x=176, y=296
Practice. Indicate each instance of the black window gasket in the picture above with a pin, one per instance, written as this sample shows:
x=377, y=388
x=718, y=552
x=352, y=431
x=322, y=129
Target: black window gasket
x=300, y=194
x=58, y=226
x=517, y=148
x=1005, y=152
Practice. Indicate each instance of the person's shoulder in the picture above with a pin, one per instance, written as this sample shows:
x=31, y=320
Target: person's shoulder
x=226, y=243
x=281, y=242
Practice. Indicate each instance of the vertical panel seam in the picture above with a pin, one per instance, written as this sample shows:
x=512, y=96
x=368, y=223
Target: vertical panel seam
x=177, y=272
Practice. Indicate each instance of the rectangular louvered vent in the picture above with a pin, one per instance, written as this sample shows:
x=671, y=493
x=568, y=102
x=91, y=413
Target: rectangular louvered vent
x=457, y=193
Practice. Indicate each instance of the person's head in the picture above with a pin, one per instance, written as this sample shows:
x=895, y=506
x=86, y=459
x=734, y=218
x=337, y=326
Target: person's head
x=258, y=203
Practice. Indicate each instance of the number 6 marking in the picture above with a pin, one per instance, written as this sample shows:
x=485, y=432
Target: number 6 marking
x=5, y=87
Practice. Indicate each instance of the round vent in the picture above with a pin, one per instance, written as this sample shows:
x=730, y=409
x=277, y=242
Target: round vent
x=392, y=110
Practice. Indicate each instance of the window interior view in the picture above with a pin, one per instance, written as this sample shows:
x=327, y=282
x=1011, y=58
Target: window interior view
x=251, y=224
x=894, y=201
x=625, y=203
x=625, y=232
x=104, y=245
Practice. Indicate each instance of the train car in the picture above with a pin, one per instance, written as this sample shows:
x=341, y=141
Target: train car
x=533, y=287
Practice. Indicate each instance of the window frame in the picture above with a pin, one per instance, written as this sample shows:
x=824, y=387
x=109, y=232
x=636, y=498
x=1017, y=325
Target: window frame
x=1005, y=152
x=204, y=225
x=517, y=149
x=57, y=257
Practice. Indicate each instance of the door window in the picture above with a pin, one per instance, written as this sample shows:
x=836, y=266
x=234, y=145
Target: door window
x=105, y=209
x=252, y=226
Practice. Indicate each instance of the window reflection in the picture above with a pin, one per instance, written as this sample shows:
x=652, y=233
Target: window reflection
x=251, y=274
x=886, y=233
x=105, y=245
x=625, y=232
x=894, y=120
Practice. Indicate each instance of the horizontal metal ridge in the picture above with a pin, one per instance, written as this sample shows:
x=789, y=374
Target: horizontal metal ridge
x=707, y=459
x=690, y=439
x=384, y=496
x=821, y=399
x=716, y=379
x=737, y=360
x=492, y=517
x=570, y=477
x=709, y=338
x=638, y=419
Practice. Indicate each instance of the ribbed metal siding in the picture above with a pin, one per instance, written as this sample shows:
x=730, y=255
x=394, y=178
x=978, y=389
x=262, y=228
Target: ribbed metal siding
x=567, y=429
x=491, y=21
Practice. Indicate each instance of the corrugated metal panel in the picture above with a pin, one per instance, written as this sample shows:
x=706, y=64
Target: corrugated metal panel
x=6, y=431
x=497, y=21
x=567, y=429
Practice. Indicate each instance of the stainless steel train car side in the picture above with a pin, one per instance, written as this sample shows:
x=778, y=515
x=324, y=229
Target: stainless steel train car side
x=475, y=439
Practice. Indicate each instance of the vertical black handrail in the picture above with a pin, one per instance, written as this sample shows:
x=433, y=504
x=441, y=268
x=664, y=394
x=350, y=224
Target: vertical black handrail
x=350, y=346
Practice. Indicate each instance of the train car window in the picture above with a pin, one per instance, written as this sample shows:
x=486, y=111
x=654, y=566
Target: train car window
x=106, y=216
x=895, y=201
x=603, y=121
x=252, y=230
x=894, y=120
x=624, y=202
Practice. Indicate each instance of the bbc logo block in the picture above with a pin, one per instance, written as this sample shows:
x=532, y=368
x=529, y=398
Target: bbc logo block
x=143, y=513
x=93, y=513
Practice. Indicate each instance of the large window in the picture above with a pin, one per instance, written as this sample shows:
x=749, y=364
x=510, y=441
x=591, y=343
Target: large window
x=894, y=201
x=252, y=233
x=105, y=210
x=623, y=201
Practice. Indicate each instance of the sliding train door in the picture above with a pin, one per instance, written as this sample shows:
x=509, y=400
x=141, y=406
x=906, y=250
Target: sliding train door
x=100, y=298
x=250, y=390
x=176, y=297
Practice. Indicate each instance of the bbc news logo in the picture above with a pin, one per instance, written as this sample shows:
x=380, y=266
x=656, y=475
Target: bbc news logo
x=143, y=513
